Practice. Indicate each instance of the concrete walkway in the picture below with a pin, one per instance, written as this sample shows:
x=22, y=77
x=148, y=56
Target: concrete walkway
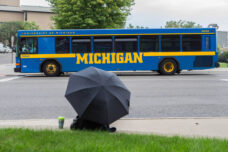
x=7, y=69
x=191, y=127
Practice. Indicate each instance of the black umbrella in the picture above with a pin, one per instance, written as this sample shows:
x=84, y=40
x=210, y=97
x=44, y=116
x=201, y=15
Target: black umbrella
x=98, y=96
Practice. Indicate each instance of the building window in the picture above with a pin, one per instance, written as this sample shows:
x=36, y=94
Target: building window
x=170, y=43
x=81, y=44
x=126, y=44
x=149, y=43
x=62, y=45
x=102, y=44
x=28, y=45
x=192, y=43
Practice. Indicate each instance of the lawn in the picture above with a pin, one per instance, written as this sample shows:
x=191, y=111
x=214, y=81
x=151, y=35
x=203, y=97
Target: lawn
x=23, y=140
x=223, y=65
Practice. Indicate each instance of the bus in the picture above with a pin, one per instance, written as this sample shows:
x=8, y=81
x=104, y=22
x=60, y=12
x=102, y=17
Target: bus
x=167, y=51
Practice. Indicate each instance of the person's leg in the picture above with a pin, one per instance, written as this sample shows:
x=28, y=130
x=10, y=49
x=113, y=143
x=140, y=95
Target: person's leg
x=113, y=129
x=73, y=125
x=77, y=123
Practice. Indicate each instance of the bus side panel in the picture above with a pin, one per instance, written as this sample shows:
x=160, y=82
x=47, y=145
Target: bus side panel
x=30, y=65
x=147, y=63
x=186, y=62
x=195, y=62
x=46, y=45
x=67, y=64
x=214, y=48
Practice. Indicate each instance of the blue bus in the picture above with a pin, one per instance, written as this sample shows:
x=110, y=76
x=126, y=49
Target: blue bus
x=167, y=51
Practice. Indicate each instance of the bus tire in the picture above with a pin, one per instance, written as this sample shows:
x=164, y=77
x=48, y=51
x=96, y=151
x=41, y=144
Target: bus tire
x=168, y=67
x=51, y=69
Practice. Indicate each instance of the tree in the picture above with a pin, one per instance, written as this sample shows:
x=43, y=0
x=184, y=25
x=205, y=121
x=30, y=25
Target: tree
x=182, y=24
x=9, y=29
x=30, y=26
x=90, y=14
x=130, y=26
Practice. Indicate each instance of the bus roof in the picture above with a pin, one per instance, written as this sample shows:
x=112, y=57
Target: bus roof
x=100, y=32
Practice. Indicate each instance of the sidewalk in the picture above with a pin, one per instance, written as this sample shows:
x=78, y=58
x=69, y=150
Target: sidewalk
x=7, y=69
x=193, y=127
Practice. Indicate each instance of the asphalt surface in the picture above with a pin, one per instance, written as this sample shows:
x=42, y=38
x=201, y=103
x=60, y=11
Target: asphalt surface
x=190, y=94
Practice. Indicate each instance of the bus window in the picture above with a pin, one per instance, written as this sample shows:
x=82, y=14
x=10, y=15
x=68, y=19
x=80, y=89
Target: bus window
x=207, y=43
x=126, y=44
x=62, y=45
x=81, y=44
x=170, y=43
x=102, y=44
x=191, y=43
x=28, y=45
x=149, y=43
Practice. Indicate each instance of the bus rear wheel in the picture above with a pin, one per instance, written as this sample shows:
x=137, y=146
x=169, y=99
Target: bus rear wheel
x=51, y=69
x=168, y=67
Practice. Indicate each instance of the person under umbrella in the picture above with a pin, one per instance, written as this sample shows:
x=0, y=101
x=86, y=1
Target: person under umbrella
x=99, y=97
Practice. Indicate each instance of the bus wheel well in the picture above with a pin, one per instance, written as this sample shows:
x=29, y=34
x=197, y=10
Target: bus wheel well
x=50, y=60
x=172, y=58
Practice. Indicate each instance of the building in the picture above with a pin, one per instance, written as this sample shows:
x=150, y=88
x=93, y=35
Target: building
x=222, y=40
x=10, y=10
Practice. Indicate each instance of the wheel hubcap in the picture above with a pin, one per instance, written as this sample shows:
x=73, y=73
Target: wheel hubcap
x=168, y=67
x=51, y=68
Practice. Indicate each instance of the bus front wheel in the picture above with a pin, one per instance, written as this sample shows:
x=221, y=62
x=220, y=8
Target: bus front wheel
x=168, y=67
x=51, y=69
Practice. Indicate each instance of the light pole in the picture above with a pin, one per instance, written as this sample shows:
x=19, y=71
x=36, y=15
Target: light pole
x=12, y=42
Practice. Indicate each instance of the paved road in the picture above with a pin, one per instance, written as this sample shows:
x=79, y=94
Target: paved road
x=191, y=94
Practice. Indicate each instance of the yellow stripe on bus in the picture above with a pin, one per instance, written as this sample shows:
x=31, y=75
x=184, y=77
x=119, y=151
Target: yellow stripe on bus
x=147, y=54
x=177, y=53
x=26, y=56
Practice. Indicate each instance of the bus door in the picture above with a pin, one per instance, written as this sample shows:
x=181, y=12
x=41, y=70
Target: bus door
x=28, y=46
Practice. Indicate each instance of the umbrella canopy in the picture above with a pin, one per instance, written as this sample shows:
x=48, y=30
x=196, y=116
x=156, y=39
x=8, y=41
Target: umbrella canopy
x=98, y=95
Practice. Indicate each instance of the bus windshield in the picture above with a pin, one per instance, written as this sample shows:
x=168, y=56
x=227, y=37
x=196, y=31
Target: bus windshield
x=28, y=46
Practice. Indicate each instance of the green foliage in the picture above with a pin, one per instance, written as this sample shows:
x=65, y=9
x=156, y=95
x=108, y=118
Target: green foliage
x=90, y=14
x=130, y=26
x=9, y=29
x=30, y=26
x=223, y=65
x=223, y=57
x=182, y=24
x=219, y=49
x=21, y=140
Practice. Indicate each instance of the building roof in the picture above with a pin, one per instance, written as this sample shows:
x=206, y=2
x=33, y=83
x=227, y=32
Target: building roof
x=24, y=8
x=10, y=8
x=36, y=9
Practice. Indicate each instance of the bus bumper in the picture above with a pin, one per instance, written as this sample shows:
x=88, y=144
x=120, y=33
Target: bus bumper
x=217, y=65
x=17, y=69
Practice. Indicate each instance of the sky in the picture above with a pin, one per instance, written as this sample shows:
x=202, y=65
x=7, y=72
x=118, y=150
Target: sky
x=155, y=13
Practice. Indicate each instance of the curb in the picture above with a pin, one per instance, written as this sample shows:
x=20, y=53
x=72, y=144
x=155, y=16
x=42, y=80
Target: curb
x=187, y=127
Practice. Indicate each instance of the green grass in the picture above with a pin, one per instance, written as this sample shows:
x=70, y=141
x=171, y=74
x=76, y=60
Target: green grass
x=23, y=140
x=223, y=65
